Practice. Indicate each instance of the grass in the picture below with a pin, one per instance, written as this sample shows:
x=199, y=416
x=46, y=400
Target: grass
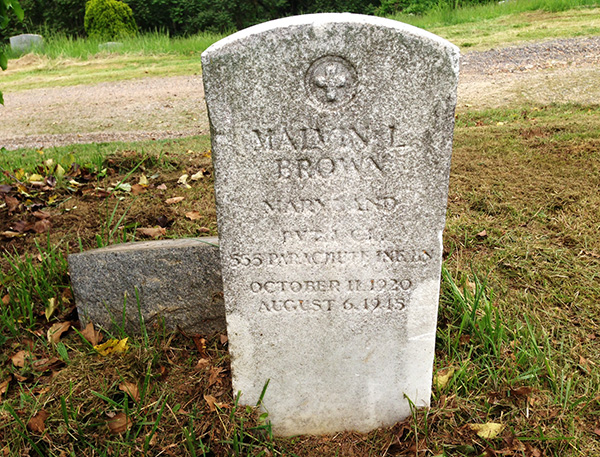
x=517, y=329
x=445, y=15
x=66, y=61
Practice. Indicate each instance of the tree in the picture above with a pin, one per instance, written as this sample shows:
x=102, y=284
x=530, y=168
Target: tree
x=5, y=6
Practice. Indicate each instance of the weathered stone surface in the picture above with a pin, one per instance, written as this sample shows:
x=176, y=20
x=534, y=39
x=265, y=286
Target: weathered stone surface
x=332, y=138
x=26, y=42
x=178, y=282
x=110, y=46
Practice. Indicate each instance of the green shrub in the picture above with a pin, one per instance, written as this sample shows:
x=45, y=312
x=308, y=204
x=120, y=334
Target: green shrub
x=108, y=19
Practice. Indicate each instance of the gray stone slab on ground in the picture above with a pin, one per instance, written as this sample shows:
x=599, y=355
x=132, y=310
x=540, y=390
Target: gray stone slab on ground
x=178, y=282
x=26, y=42
x=331, y=139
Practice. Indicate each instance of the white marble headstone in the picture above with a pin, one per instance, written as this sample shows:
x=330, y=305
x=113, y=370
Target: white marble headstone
x=332, y=137
x=26, y=42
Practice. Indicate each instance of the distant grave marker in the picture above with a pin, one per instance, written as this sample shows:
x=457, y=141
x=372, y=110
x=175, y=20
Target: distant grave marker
x=332, y=138
x=26, y=42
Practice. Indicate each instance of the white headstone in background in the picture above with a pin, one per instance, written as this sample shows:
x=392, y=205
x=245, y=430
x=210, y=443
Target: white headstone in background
x=26, y=42
x=332, y=137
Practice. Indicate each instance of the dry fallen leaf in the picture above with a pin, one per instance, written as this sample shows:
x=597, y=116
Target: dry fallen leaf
x=11, y=203
x=4, y=386
x=91, y=334
x=50, y=308
x=55, y=332
x=41, y=226
x=162, y=187
x=45, y=364
x=130, y=389
x=223, y=339
x=211, y=402
x=18, y=359
x=193, y=215
x=36, y=423
x=9, y=234
x=487, y=431
x=199, y=175
x=441, y=378
x=67, y=295
x=200, y=344
x=120, y=423
x=35, y=178
x=215, y=375
x=173, y=200
x=521, y=391
x=154, y=232
x=42, y=214
x=112, y=346
x=183, y=181
x=138, y=189
x=6, y=300
x=143, y=180
x=202, y=364
x=597, y=431
x=482, y=234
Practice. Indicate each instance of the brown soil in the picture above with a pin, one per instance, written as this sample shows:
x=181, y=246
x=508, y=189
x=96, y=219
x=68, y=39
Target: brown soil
x=74, y=216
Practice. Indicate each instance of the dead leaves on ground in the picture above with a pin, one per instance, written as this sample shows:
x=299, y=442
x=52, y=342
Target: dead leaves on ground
x=24, y=358
x=193, y=215
x=488, y=431
x=130, y=389
x=55, y=332
x=153, y=232
x=20, y=358
x=37, y=423
x=93, y=336
x=174, y=200
x=119, y=423
x=4, y=386
x=29, y=193
x=112, y=346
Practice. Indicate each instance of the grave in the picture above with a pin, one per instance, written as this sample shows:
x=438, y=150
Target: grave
x=178, y=284
x=331, y=139
x=26, y=42
x=110, y=46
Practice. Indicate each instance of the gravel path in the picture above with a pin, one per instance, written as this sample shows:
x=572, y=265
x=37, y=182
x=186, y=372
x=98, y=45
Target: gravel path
x=150, y=108
x=535, y=56
x=157, y=108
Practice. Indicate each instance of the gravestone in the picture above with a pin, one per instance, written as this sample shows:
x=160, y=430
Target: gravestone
x=331, y=138
x=26, y=42
x=110, y=46
x=178, y=284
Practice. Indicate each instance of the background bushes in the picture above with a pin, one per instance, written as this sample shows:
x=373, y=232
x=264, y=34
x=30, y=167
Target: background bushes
x=186, y=17
x=109, y=20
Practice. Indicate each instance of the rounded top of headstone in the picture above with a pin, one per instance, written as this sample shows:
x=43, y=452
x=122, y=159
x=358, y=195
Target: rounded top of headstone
x=325, y=19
